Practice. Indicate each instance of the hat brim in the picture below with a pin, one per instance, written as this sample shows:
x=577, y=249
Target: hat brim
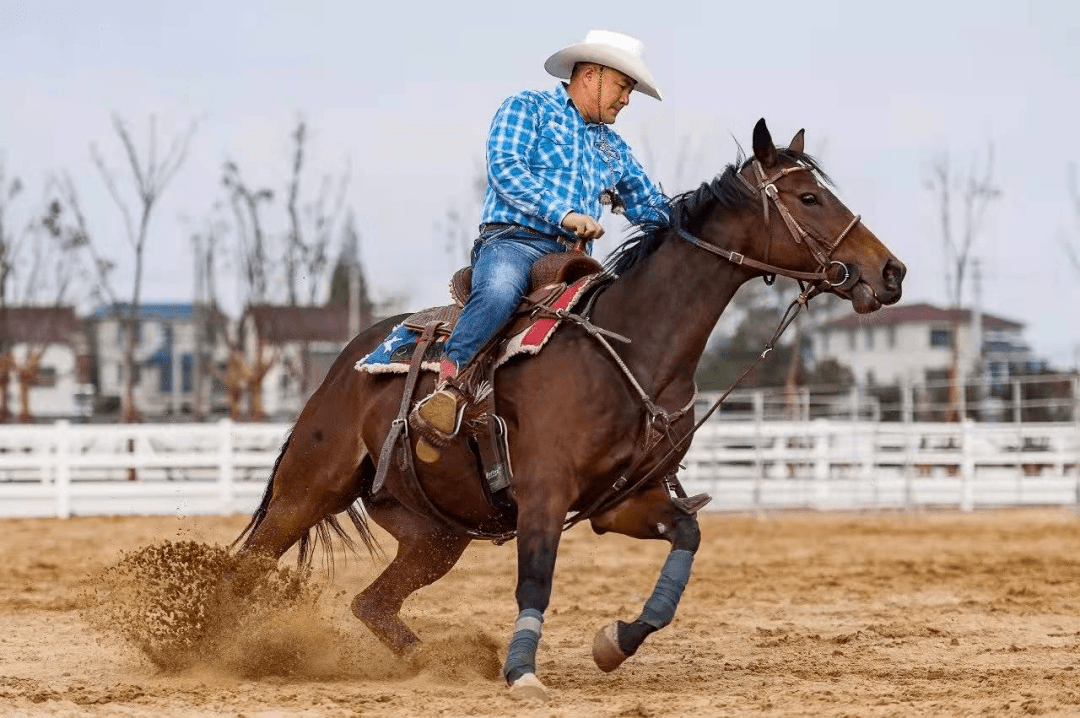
x=561, y=64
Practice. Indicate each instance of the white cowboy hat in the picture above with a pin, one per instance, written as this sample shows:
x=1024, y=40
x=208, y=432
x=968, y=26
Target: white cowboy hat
x=612, y=49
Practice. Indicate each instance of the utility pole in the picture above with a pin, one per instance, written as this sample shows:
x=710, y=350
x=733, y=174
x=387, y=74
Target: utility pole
x=200, y=329
x=979, y=364
x=354, y=299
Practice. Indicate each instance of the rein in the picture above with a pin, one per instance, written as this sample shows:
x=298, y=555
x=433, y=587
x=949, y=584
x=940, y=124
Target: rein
x=618, y=491
x=819, y=280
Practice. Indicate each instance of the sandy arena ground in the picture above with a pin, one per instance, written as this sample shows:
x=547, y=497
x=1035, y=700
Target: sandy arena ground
x=789, y=614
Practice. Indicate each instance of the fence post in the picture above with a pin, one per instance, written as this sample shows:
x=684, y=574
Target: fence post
x=967, y=468
x=62, y=469
x=225, y=465
x=1016, y=401
x=759, y=464
x=871, y=465
x=1076, y=401
x=909, y=465
x=821, y=461
x=1076, y=424
x=907, y=403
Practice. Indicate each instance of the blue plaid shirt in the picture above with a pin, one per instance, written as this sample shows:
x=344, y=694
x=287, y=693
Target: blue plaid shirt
x=544, y=161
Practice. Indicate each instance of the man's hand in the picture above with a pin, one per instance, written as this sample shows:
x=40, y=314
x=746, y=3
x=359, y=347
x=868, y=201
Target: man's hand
x=583, y=226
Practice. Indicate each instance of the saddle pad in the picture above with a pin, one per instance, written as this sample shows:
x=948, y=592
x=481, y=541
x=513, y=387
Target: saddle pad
x=395, y=353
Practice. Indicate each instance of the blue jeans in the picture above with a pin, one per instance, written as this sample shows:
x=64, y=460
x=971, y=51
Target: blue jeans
x=500, y=277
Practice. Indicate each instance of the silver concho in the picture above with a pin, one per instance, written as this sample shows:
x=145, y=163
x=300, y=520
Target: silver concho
x=611, y=198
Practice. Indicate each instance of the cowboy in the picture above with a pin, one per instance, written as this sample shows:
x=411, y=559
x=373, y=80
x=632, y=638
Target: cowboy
x=552, y=162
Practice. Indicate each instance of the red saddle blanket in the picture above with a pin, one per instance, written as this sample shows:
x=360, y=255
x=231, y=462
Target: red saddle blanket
x=395, y=353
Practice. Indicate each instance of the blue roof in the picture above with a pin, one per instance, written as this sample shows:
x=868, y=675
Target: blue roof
x=150, y=310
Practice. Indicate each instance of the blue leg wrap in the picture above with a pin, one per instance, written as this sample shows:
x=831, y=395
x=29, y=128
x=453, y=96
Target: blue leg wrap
x=660, y=608
x=521, y=655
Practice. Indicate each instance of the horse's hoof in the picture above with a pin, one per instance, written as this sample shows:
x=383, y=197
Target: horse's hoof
x=528, y=688
x=413, y=654
x=605, y=648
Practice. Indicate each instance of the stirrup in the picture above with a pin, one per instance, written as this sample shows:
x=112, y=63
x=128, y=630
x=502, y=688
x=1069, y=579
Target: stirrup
x=436, y=420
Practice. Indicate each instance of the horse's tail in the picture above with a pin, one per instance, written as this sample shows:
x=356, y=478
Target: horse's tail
x=329, y=527
x=260, y=512
x=324, y=530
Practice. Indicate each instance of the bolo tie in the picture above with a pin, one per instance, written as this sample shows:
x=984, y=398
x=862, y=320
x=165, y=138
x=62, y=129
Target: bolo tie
x=608, y=197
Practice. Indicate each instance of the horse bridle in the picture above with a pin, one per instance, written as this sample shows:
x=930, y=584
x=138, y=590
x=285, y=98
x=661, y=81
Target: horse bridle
x=822, y=251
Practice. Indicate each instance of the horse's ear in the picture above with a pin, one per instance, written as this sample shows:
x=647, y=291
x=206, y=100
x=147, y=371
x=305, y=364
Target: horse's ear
x=764, y=149
x=797, y=143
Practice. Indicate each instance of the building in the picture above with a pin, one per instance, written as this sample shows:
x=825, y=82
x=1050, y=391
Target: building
x=299, y=344
x=52, y=338
x=914, y=342
x=168, y=338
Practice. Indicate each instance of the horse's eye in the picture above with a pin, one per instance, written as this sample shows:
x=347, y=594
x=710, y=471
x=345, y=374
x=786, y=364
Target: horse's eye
x=808, y=199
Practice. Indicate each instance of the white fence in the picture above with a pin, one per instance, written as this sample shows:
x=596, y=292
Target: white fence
x=827, y=464
x=64, y=469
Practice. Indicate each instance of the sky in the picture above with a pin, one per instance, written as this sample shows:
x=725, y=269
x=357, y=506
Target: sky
x=403, y=94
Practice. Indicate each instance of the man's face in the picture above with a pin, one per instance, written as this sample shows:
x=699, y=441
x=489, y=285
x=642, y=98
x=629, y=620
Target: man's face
x=615, y=89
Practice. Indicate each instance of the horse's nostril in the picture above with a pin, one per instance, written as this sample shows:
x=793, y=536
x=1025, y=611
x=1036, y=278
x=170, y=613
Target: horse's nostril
x=893, y=273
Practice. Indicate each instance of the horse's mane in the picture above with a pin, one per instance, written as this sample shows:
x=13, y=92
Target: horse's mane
x=689, y=209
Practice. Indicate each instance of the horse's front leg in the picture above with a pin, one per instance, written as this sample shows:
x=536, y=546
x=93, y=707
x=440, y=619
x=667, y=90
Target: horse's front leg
x=648, y=515
x=539, y=526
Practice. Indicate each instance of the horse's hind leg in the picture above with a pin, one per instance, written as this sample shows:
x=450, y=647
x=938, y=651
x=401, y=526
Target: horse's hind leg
x=315, y=478
x=426, y=552
x=650, y=514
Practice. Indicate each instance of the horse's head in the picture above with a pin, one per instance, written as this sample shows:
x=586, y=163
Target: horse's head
x=808, y=230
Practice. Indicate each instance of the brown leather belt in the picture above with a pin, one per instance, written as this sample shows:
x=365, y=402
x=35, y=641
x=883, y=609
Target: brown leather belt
x=528, y=231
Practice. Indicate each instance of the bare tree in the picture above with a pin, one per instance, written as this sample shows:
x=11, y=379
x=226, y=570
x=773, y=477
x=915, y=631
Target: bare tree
x=9, y=190
x=100, y=287
x=244, y=375
x=150, y=175
x=302, y=251
x=296, y=238
x=54, y=269
x=324, y=219
x=962, y=203
x=211, y=324
x=252, y=250
x=38, y=267
x=311, y=230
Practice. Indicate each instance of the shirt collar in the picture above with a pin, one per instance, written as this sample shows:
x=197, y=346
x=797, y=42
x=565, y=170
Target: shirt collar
x=566, y=101
x=564, y=96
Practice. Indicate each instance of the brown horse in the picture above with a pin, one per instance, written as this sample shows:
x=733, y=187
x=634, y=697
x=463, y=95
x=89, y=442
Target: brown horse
x=575, y=423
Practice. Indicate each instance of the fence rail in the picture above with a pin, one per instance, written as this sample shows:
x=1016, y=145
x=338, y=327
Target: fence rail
x=64, y=469
x=829, y=464
x=1040, y=398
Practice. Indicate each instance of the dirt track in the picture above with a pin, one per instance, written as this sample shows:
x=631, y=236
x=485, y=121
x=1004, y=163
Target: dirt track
x=793, y=614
